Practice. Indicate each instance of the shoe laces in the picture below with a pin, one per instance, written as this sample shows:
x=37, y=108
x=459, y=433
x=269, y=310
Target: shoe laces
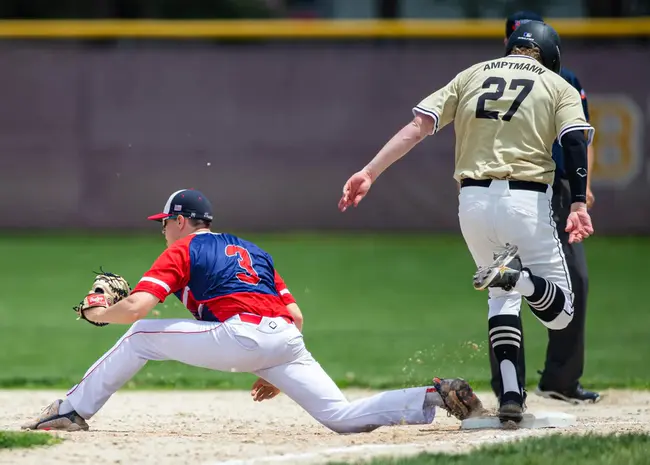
x=47, y=407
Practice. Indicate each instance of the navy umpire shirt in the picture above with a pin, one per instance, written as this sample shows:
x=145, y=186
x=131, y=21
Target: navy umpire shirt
x=557, y=150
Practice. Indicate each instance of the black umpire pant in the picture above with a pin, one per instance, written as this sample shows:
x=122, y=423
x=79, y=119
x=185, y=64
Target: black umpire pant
x=565, y=351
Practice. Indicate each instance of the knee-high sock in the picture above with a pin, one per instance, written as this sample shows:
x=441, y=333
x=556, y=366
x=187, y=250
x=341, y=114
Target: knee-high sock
x=546, y=300
x=505, y=341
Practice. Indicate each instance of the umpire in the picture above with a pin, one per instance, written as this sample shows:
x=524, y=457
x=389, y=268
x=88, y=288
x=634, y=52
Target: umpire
x=566, y=348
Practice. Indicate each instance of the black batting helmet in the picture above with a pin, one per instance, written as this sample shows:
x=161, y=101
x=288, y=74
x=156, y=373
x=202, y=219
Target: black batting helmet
x=540, y=35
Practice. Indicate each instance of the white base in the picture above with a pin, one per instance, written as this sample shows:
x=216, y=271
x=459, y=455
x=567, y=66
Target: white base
x=538, y=420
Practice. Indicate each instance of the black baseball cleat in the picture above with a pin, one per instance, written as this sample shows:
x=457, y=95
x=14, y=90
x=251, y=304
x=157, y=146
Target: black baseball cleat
x=511, y=410
x=576, y=396
x=511, y=407
x=503, y=272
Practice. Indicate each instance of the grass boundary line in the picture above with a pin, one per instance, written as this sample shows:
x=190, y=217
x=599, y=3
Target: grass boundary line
x=407, y=449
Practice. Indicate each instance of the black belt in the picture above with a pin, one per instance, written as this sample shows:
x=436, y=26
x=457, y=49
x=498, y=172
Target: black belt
x=516, y=185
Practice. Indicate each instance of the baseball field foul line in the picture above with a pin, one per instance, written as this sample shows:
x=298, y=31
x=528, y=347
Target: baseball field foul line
x=412, y=448
x=403, y=449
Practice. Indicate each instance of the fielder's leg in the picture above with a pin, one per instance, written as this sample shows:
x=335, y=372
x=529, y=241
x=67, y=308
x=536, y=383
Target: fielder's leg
x=305, y=381
x=229, y=346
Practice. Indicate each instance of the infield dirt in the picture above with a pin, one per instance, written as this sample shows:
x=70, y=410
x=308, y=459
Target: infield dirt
x=227, y=427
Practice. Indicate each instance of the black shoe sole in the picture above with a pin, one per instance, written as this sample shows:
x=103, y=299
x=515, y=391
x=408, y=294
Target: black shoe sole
x=511, y=411
x=486, y=274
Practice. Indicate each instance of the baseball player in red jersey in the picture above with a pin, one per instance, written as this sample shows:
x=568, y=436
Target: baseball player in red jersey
x=245, y=320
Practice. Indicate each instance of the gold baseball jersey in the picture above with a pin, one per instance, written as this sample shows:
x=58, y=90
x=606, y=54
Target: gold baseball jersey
x=507, y=113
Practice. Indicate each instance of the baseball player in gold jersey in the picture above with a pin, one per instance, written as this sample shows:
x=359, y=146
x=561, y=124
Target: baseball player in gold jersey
x=507, y=113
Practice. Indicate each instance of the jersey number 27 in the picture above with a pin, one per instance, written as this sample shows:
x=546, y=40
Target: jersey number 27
x=249, y=276
x=525, y=84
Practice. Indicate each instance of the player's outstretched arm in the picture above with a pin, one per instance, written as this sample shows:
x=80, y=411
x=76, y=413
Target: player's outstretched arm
x=400, y=144
x=127, y=311
x=356, y=188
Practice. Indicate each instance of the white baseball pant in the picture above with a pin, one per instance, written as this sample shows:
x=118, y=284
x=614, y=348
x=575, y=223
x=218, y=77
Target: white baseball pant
x=492, y=216
x=273, y=349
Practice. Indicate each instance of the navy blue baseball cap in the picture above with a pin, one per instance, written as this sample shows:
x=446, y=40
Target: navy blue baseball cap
x=189, y=203
x=518, y=18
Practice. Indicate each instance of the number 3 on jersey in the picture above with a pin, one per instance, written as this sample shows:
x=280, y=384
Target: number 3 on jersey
x=244, y=261
x=481, y=112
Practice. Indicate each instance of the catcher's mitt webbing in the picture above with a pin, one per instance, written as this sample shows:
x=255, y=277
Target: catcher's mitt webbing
x=111, y=284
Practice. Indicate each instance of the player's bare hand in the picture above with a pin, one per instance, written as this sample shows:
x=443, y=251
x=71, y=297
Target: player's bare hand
x=355, y=190
x=578, y=223
x=263, y=390
x=590, y=199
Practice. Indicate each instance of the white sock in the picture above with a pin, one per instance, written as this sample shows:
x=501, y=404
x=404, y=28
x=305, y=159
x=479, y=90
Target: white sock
x=509, y=377
x=65, y=407
x=525, y=285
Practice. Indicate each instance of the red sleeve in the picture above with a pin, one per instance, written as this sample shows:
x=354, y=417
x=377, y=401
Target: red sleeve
x=169, y=273
x=281, y=287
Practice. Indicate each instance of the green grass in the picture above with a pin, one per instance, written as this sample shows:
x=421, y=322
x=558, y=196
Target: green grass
x=17, y=439
x=628, y=449
x=380, y=310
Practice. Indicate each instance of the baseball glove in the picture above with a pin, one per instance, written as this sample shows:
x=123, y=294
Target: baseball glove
x=107, y=289
x=458, y=397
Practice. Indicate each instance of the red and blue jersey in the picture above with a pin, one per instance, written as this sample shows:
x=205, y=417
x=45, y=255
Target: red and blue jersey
x=217, y=276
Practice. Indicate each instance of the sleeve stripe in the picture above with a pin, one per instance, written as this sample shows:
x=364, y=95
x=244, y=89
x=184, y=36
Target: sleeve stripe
x=577, y=127
x=186, y=291
x=284, y=291
x=157, y=281
x=432, y=114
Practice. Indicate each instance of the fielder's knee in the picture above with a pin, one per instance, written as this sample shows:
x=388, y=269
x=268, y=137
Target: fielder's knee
x=342, y=428
x=141, y=325
x=130, y=339
x=336, y=418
